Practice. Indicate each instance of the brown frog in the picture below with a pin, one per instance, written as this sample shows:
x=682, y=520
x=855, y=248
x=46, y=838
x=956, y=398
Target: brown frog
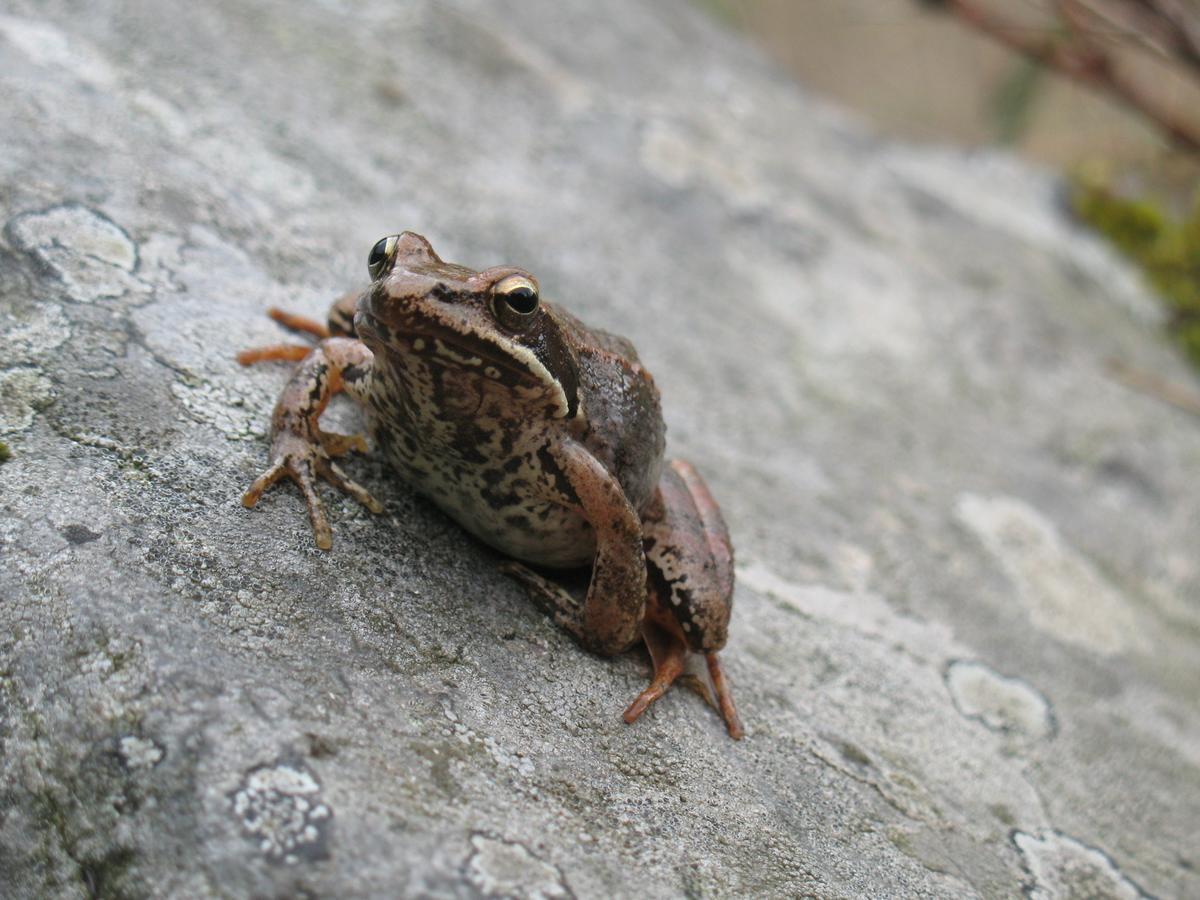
x=539, y=435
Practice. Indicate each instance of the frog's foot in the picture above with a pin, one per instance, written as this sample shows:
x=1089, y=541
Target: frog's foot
x=337, y=444
x=285, y=352
x=669, y=655
x=299, y=323
x=668, y=651
x=294, y=457
x=555, y=600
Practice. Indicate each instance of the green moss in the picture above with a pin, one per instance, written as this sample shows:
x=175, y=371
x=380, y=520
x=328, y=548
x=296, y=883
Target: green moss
x=1004, y=814
x=1165, y=247
x=5, y=453
x=727, y=12
x=1012, y=104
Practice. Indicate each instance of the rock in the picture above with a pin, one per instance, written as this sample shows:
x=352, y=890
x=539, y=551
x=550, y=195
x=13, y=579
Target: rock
x=967, y=636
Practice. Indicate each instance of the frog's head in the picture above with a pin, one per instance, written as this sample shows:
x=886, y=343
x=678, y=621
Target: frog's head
x=492, y=322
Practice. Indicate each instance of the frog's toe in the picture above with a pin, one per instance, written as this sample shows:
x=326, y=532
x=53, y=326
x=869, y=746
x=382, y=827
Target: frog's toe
x=304, y=472
x=322, y=533
x=669, y=651
x=337, y=444
x=277, y=352
x=305, y=469
x=548, y=595
x=335, y=476
x=301, y=473
x=529, y=578
x=553, y=599
x=733, y=722
x=669, y=655
x=298, y=323
x=262, y=483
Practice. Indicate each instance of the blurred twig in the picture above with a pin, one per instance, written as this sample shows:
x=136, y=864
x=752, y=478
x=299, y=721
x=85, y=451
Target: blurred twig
x=1013, y=102
x=1155, y=386
x=1085, y=46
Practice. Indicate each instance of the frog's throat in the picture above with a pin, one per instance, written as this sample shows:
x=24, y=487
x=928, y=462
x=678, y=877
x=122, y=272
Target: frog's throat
x=477, y=351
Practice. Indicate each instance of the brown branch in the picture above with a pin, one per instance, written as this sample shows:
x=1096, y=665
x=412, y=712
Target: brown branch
x=1155, y=386
x=1165, y=28
x=1039, y=45
x=1184, y=21
x=1075, y=55
x=1130, y=21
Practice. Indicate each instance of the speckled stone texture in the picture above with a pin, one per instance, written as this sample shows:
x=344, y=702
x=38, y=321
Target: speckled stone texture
x=967, y=635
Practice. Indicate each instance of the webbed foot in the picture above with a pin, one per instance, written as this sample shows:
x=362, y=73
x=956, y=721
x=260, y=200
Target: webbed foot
x=295, y=457
x=553, y=599
x=664, y=640
x=668, y=652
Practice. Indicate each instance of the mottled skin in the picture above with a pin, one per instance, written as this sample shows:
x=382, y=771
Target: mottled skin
x=539, y=435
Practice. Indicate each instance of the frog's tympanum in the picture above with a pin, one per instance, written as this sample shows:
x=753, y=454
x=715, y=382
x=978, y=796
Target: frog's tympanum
x=542, y=437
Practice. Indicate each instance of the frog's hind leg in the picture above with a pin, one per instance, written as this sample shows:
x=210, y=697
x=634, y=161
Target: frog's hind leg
x=661, y=633
x=285, y=352
x=340, y=324
x=689, y=562
x=609, y=618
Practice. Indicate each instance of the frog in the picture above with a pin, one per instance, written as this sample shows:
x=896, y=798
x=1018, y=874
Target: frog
x=541, y=436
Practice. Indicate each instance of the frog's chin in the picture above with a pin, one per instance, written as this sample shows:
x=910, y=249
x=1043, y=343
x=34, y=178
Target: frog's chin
x=470, y=352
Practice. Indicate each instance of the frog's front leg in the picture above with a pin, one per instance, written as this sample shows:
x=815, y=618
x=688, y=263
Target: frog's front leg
x=300, y=450
x=608, y=620
x=689, y=560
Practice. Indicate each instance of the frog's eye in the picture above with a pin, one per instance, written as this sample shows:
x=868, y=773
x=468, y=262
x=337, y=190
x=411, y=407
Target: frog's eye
x=382, y=256
x=514, y=298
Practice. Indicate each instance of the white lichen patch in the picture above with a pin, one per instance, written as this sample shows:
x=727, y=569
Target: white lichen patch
x=866, y=612
x=87, y=251
x=23, y=391
x=46, y=45
x=280, y=808
x=224, y=409
x=574, y=95
x=28, y=337
x=1000, y=702
x=682, y=159
x=259, y=171
x=165, y=114
x=1062, y=867
x=1060, y=589
x=516, y=760
x=1019, y=204
x=138, y=753
x=501, y=868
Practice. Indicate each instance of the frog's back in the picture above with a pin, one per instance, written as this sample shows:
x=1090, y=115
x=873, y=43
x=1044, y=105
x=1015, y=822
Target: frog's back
x=624, y=423
x=620, y=405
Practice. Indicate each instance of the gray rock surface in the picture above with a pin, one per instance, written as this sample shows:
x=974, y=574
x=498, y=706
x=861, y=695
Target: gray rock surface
x=967, y=636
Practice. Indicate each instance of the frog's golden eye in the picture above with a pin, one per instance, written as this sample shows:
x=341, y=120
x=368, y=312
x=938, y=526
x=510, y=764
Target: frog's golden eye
x=382, y=256
x=514, y=297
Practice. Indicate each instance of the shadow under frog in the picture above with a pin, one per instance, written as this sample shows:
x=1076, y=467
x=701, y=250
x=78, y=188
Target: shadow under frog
x=541, y=436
